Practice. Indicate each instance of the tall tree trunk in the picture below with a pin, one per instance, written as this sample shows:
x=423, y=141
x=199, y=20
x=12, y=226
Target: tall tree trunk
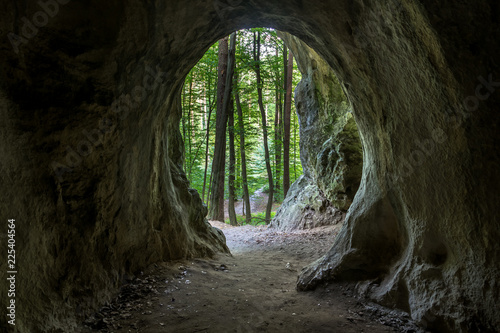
x=286, y=124
x=237, y=181
x=183, y=124
x=210, y=108
x=207, y=143
x=189, y=126
x=277, y=125
x=277, y=142
x=295, y=121
x=216, y=209
x=230, y=111
x=246, y=196
x=232, y=162
x=256, y=54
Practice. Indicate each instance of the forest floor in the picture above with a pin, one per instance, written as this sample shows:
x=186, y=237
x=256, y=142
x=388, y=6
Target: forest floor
x=258, y=204
x=252, y=290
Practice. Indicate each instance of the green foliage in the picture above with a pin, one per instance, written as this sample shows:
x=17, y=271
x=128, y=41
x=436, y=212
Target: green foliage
x=199, y=96
x=257, y=219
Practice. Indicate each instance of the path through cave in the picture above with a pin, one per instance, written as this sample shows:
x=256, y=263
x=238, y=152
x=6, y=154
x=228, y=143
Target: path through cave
x=252, y=290
x=91, y=157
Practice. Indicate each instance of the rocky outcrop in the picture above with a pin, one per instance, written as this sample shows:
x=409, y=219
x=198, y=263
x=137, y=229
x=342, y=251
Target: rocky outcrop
x=330, y=148
x=91, y=158
x=421, y=233
x=305, y=207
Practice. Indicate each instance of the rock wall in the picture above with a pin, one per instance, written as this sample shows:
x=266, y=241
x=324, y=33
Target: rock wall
x=92, y=157
x=305, y=207
x=421, y=233
x=330, y=148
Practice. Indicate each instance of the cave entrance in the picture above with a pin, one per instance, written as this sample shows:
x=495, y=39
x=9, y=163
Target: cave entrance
x=320, y=110
x=202, y=106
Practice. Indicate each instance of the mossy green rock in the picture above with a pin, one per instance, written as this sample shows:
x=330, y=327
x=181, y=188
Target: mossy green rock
x=330, y=147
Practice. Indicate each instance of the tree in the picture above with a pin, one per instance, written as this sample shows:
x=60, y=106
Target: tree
x=232, y=167
x=199, y=121
x=256, y=54
x=286, y=125
x=230, y=109
x=216, y=207
x=278, y=114
x=207, y=138
x=246, y=196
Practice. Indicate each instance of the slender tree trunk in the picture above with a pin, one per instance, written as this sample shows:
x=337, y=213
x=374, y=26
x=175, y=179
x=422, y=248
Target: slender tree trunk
x=230, y=111
x=246, y=196
x=183, y=124
x=189, y=126
x=210, y=108
x=256, y=53
x=216, y=209
x=286, y=124
x=207, y=143
x=237, y=181
x=277, y=143
x=277, y=127
x=295, y=121
x=232, y=162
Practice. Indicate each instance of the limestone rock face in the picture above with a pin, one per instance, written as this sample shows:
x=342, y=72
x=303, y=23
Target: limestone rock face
x=330, y=148
x=305, y=207
x=422, y=231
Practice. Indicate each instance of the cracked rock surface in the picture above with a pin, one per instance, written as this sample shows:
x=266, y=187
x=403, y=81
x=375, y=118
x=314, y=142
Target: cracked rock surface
x=91, y=165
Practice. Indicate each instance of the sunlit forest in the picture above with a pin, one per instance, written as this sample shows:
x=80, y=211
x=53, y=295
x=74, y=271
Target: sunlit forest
x=199, y=103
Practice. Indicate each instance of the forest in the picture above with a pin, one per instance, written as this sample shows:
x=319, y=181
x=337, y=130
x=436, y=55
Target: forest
x=239, y=125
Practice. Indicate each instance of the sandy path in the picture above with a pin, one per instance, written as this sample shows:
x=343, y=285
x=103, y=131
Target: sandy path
x=258, y=203
x=251, y=291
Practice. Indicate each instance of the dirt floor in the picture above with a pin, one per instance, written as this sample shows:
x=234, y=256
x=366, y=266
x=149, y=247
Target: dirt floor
x=252, y=290
x=258, y=204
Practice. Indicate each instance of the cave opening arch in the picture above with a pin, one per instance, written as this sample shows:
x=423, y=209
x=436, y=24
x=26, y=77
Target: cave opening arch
x=330, y=147
x=343, y=51
x=387, y=57
x=402, y=64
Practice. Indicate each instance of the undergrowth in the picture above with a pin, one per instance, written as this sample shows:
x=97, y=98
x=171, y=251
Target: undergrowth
x=257, y=219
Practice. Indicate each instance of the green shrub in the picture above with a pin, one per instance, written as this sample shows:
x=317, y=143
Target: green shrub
x=257, y=219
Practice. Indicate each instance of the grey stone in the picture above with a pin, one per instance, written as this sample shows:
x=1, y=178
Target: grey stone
x=423, y=225
x=305, y=207
x=330, y=148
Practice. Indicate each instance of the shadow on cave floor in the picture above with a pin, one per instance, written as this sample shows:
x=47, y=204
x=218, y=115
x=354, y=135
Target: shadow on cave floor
x=251, y=291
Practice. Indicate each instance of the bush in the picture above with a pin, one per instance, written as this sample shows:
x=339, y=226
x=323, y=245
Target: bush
x=257, y=219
